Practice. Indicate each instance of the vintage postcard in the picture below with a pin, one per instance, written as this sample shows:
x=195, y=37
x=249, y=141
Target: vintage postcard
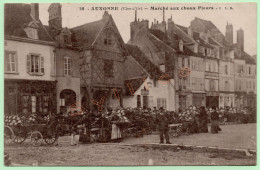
x=129, y=84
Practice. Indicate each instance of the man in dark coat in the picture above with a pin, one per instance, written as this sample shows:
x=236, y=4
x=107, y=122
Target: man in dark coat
x=203, y=125
x=163, y=125
x=214, y=121
x=84, y=135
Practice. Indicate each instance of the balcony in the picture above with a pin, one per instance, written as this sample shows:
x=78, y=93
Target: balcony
x=211, y=74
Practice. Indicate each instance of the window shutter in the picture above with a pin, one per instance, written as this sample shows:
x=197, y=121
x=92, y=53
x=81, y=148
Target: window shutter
x=16, y=62
x=42, y=64
x=28, y=63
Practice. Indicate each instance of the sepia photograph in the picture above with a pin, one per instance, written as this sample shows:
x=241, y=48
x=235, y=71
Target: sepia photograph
x=130, y=84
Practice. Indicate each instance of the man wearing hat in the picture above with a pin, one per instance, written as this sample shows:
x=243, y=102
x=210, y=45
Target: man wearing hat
x=163, y=126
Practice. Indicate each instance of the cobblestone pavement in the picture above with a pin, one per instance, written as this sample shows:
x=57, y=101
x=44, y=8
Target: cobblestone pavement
x=236, y=136
x=127, y=153
x=113, y=154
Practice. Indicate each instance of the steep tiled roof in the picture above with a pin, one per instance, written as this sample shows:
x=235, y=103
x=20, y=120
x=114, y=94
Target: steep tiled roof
x=196, y=36
x=140, y=57
x=132, y=85
x=213, y=42
x=180, y=31
x=161, y=45
x=17, y=17
x=184, y=29
x=248, y=58
x=159, y=34
x=208, y=24
x=85, y=34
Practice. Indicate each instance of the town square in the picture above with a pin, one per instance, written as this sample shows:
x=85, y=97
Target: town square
x=109, y=85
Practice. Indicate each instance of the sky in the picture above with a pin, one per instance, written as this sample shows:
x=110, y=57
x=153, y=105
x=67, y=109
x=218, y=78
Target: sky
x=242, y=15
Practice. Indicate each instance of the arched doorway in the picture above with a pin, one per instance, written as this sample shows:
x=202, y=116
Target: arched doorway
x=67, y=99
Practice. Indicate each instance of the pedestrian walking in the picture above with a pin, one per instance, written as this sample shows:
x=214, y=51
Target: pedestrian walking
x=163, y=126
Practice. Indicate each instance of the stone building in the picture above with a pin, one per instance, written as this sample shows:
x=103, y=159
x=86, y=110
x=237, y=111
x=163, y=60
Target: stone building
x=66, y=62
x=147, y=86
x=30, y=84
x=234, y=65
x=156, y=51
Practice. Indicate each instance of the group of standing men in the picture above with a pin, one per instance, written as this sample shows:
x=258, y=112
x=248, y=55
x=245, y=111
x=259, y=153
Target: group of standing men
x=162, y=120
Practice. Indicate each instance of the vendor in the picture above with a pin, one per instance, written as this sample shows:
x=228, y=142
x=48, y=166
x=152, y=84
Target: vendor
x=116, y=132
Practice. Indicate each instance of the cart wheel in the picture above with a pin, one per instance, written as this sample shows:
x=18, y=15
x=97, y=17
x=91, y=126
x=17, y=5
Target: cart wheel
x=19, y=136
x=51, y=139
x=8, y=135
x=36, y=138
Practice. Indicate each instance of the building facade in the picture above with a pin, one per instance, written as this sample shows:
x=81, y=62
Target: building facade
x=66, y=62
x=30, y=84
x=101, y=60
x=147, y=86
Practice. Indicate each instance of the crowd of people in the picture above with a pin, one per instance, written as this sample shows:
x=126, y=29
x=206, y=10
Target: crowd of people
x=114, y=122
x=111, y=125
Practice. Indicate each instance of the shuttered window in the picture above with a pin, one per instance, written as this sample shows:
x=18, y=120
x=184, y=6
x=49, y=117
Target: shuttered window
x=67, y=65
x=11, y=62
x=35, y=64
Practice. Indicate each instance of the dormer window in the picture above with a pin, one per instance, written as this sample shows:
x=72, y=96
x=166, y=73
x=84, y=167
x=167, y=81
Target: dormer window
x=208, y=52
x=32, y=30
x=181, y=45
x=65, y=36
x=32, y=33
x=66, y=39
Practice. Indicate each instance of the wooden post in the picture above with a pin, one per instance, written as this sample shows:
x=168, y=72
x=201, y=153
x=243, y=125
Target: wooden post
x=121, y=98
x=89, y=95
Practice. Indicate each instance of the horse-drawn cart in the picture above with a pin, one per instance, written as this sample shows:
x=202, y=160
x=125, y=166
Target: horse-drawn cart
x=17, y=130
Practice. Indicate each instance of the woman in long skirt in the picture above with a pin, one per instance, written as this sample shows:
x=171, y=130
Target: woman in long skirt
x=116, y=132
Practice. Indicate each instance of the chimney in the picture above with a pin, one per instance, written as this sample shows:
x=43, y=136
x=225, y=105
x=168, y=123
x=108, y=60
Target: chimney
x=164, y=23
x=135, y=15
x=105, y=15
x=35, y=11
x=138, y=29
x=240, y=39
x=229, y=33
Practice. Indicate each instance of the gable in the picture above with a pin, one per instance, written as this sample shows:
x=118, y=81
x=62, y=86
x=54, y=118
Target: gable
x=109, y=37
x=33, y=24
x=131, y=64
